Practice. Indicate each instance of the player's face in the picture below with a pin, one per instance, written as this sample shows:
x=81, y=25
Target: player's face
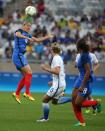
x=79, y=50
x=27, y=27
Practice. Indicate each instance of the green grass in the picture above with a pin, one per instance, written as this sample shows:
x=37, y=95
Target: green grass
x=22, y=117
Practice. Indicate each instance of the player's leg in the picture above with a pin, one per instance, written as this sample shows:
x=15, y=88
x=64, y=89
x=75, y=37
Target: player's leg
x=77, y=109
x=59, y=99
x=25, y=81
x=22, y=65
x=78, y=103
x=20, y=84
x=28, y=77
x=63, y=100
x=93, y=107
x=81, y=101
x=91, y=103
x=87, y=108
x=46, y=109
x=19, y=88
x=45, y=105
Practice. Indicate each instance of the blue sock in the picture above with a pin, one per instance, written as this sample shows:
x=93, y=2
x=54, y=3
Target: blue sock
x=63, y=100
x=45, y=110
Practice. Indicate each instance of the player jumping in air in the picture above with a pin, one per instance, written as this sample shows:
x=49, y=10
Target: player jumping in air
x=21, y=39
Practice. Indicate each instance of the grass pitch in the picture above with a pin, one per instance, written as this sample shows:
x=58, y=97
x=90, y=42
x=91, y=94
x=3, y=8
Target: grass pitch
x=22, y=117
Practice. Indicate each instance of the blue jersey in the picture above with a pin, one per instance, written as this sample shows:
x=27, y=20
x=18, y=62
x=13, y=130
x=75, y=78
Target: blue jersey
x=85, y=59
x=20, y=43
x=19, y=49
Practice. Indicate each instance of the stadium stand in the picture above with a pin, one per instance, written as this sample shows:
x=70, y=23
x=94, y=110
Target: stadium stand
x=68, y=25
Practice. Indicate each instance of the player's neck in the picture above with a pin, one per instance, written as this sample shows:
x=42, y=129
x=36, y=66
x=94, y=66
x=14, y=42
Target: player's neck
x=54, y=54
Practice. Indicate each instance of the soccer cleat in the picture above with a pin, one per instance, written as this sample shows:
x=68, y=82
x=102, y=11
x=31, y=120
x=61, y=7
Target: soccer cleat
x=94, y=112
x=17, y=97
x=80, y=124
x=28, y=96
x=87, y=111
x=98, y=106
x=42, y=120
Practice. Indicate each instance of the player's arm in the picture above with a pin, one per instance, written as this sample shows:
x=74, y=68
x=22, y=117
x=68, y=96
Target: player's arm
x=86, y=77
x=42, y=38
x=96, y=63
x=96, y=66
x=18, y=34
x=76, y=60
x=55, y=70
x=50, y=83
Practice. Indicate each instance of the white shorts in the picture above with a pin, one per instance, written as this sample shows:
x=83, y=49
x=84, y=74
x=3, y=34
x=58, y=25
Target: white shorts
x=55, y=92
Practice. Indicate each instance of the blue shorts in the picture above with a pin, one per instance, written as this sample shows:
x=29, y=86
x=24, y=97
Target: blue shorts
x=19, y=60
x=87, y=90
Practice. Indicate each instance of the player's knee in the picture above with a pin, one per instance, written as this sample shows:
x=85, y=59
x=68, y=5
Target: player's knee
x=29, y=71
x=77, y=103
x=54, y=102
x=45, y=99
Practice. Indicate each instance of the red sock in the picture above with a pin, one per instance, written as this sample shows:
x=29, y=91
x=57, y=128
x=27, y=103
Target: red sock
x=88, y=103
x=28, y=78
x=78, y=113
x=20, y=86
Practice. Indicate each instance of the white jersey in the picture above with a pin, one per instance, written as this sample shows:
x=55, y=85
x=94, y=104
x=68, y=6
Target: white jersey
x=58, y=79
x=58, y=84
x=94, y=59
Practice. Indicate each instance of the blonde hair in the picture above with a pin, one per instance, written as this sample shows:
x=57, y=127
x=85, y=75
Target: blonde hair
x=26, y=23
x=56, y=48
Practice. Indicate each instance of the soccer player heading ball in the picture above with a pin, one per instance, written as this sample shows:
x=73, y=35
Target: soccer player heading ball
x=21, y=38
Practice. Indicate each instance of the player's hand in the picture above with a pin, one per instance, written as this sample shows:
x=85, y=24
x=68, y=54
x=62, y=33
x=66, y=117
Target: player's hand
x=50, y=36
x=43, y=67
x=80, y=89
x=62, y=94
x=50, y=83
x=30, y=40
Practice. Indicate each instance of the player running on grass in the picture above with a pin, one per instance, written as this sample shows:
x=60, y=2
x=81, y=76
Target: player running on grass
x=95, y=66
x=82, y=87
x=58, y=84
x=21, y=39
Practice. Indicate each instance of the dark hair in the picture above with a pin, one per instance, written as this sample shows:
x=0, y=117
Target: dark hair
x=81, y=44
x=56, y=47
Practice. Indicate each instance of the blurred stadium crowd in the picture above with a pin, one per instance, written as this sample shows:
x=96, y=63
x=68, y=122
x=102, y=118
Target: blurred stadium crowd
x=67, y=29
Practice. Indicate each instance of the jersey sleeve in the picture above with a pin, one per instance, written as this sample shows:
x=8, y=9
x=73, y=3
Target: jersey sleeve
x=30, y=36
x=19, y=30
x=95, y=60
x=77, y=58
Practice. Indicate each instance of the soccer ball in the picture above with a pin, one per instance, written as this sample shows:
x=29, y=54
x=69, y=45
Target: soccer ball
x=30, y=10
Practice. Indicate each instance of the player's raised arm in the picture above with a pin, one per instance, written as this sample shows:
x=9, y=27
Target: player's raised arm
x=18, y=34
x=42, y=38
